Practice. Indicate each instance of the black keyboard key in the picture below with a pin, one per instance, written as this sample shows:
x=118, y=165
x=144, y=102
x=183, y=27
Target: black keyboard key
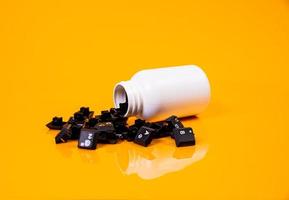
x=174, y=122
x=87, y=139
x=105, y=116
x=56, y=123
x=144, y=136
x=86, y=112
x=184, y=137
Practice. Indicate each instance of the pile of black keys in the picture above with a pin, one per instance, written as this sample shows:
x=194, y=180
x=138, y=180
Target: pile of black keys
x=111, y=126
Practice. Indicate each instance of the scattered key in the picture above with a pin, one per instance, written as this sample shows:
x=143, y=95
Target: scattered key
x=132, y=131
x=106, y=137
x=56, y=123
x=87, y=139
x=144, y=136
x=139, y=123
x=75, y=131
x=92, y=122
x=111, y=126
x=174, y=122
x=64, y=135
x=104, y=126
x=79, y=116
x=105, y=116
x=184, y=137
x=123, y=108
x=86, y=112
x=160, y=129
x=114, y=111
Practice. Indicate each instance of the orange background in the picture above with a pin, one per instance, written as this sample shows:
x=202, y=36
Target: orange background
x=56, y=56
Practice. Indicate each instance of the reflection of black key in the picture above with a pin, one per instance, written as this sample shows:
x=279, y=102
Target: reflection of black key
x=87, y=139
x=184, y=137
x=174, y=122
x=144, y=136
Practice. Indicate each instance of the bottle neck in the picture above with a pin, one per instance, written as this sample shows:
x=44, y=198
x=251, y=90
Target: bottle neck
x=128, y=92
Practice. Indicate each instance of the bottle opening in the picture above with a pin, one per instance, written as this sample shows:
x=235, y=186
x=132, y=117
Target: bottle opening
x=127, y=98
x=120, y=97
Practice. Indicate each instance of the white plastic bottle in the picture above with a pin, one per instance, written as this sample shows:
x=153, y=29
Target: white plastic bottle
x=156, y=94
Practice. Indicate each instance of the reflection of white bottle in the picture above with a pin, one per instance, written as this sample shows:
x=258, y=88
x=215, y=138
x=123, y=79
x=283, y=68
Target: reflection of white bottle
x=159, y=93
x=163, y=161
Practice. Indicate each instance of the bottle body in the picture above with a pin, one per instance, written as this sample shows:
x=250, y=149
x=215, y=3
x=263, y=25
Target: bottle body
x=155, y=94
